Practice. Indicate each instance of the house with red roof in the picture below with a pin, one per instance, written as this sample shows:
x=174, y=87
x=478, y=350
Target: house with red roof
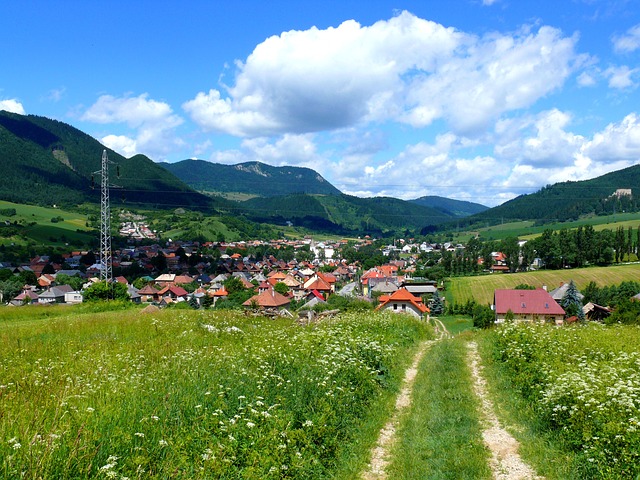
x=527, y=306
x=403, y=301
x=268, y=299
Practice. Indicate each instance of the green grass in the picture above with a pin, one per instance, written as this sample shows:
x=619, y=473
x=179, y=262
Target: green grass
x=45, y=232
x=190, y=394
x=456, y=323
x=541, y=449
x=577, y=385
x=481, y=288
x=440, y=436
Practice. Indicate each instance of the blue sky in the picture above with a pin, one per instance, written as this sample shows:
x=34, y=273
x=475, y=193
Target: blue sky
x=479, y=100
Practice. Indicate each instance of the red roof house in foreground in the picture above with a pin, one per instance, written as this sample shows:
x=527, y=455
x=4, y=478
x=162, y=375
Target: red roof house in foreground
x=403, y=301
x=527, y=305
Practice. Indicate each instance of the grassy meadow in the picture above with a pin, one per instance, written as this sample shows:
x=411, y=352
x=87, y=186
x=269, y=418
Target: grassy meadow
x=481, y=288
x=39, y=228
x=575, y=392
x=190, y=394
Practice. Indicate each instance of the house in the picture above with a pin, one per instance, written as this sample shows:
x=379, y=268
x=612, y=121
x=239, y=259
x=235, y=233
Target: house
x=593, y=311
x=73, y=297
x=148, y=294
x=175, y=293
x=559, y=293
x=268, y=299
x=527, y=306
x=403, y=301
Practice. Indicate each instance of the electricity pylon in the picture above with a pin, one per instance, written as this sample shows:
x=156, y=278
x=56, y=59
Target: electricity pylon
x=106, y=270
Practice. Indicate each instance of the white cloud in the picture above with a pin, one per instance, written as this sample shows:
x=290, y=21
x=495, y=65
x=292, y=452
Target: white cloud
x=122, y=144
x=153, y=123
x=493, y=75
x=404, y=68
x=617, y=142
x=629, y=42
x=538, y=141
x=12, y=105
x=586, y=80
x=296, y=150
x=620, y=77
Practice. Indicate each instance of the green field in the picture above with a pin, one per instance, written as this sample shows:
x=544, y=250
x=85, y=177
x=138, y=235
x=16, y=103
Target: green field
x=526, y=230
x=196, y=394
x=481, y=288
x=35, y=226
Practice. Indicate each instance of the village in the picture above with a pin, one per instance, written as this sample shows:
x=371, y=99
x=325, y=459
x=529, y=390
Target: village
x=201, y=275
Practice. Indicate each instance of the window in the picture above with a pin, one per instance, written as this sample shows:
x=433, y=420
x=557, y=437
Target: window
x=395, y=306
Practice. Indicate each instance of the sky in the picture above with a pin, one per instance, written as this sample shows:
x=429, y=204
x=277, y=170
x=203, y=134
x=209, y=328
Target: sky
x=478, y=100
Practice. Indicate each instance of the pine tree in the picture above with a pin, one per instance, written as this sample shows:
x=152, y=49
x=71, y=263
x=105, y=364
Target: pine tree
x=571, y=302
x=436, y=305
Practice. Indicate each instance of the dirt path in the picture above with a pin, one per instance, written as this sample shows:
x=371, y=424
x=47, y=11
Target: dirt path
x=506, y=463
x=380, y=453
x=441, y=329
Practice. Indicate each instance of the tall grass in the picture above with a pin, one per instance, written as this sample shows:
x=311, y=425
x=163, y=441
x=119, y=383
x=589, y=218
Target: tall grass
x=186, y=394
x=582, y=385
x=440, y=436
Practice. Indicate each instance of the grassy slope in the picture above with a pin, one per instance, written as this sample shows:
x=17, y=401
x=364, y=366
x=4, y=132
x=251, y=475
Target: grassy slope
x=526, y=230
x=44, y=230
x=481, y=288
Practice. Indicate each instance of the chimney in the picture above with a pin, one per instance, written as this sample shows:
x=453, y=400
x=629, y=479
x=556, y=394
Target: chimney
x=544, y=287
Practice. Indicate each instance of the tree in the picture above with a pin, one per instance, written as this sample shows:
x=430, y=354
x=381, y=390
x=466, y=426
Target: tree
x=281, y=288
x=483, y=316
x=571, y=302
x=436, y=305
x=102, y=291
x=74, y=282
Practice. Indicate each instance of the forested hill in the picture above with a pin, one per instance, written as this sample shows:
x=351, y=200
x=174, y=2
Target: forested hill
x=251, y=178
x=569, y=200
x=451, y=207
x=49, y=162
x=344, y=213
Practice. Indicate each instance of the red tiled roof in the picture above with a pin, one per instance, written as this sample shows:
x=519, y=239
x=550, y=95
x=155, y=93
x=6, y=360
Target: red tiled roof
x=403, y=295
x=526, y=302
x=268, y=298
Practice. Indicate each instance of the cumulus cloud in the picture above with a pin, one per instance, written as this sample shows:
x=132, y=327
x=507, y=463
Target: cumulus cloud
x=12, y=105
x=538, y=141
x=629, y=42
x=405, y=68
x=620, y=77
x=153, y=123
x=617, y=142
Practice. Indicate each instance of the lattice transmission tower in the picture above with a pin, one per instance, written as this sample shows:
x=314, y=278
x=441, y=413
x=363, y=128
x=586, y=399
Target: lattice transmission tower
x=106, y=270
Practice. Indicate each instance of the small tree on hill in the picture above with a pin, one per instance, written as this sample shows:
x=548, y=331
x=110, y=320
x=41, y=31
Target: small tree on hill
x=571, y=302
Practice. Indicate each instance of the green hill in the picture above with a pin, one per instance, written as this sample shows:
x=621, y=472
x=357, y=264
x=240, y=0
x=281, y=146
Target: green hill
x=253, y=178
x=570, y=200
x=450, y=207
x=343, y=213
x=48, y=162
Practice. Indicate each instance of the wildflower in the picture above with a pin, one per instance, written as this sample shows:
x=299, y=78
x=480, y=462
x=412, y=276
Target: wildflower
x=90, y=409
x=139, y=434
x=17, y=446
x=251, y=424
x=308, y=423
x=163, y=443
x=155, y=417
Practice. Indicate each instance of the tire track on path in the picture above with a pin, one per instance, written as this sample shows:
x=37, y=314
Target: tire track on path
x=376, y=470
x=505, y=463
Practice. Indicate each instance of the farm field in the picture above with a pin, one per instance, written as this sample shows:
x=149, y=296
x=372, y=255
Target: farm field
x=189, y=394
x=481, y=288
